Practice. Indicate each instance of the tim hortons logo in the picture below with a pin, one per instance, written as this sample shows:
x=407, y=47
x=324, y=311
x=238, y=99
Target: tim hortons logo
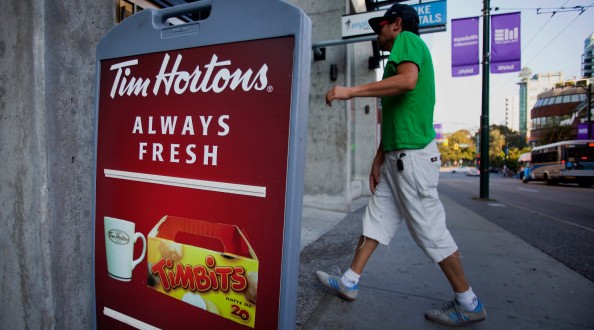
x=216, y=76
x=119, y=237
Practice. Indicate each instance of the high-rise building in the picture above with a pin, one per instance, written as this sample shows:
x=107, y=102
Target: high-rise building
x=587, y=56
x=511, y=113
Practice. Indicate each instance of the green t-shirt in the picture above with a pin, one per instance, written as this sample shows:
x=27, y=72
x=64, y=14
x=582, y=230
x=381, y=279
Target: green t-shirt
x=407, y=119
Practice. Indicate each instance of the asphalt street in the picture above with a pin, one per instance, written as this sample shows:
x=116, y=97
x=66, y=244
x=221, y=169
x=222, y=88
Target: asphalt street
x=558, y=220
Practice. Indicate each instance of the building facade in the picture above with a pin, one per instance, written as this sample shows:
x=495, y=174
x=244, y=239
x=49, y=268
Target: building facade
x=558, y=113
x=529, y=88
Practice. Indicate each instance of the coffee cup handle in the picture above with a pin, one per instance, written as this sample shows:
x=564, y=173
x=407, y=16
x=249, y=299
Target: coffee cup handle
x=137, y=261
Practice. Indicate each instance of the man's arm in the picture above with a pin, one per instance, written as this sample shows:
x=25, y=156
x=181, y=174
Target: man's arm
x=404, y=81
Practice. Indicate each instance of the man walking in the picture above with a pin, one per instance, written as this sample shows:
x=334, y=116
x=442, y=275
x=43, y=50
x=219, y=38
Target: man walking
x=405, y=171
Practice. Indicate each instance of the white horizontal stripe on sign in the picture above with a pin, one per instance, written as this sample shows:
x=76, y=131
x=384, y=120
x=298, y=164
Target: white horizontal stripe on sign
x=128, y=319
x=230, y=188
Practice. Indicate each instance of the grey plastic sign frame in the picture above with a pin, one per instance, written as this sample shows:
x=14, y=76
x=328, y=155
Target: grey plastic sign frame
x=148, y=32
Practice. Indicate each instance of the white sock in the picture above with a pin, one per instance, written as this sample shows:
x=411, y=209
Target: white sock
x=467, y=300
x=350, y=278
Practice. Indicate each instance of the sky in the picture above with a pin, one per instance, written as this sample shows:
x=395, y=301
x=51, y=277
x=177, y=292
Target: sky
x=550, y=43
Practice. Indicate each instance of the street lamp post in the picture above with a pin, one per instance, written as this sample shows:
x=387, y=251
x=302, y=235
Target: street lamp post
x=484, y=180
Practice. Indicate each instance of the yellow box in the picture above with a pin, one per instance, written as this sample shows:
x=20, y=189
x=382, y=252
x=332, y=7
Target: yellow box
x=209, y=265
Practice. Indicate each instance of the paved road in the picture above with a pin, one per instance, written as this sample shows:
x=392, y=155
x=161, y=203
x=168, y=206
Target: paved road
x=558, y=220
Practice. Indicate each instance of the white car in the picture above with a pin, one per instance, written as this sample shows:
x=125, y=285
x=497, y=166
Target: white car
x=462, y=170
x=473, y=171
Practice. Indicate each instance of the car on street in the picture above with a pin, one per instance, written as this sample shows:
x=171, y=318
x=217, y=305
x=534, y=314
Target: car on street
x=461, y=170
x=468, y=170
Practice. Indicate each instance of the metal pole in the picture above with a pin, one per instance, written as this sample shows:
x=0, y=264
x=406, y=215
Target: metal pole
x=484, y=181
x=589, y=107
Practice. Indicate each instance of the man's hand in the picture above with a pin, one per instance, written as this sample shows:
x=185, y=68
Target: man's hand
x=338, y=93
x=374, y=176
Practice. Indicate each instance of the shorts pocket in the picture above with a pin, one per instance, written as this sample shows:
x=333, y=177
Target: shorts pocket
x=427, y=173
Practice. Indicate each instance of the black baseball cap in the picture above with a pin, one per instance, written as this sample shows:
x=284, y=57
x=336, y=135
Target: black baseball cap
x=405, y=12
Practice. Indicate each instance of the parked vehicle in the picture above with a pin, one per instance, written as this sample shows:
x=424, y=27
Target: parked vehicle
x=473, y=171
x=567, y=161
x=461, y=170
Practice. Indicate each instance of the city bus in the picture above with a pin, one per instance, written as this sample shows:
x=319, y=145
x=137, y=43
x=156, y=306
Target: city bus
x=524, y=165
x=566, y=162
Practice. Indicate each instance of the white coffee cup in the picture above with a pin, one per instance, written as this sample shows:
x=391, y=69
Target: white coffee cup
x=119, y=247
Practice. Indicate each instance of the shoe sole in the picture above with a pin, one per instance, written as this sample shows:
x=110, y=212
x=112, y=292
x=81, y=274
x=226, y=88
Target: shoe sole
x=455, y=325
x=343, y=296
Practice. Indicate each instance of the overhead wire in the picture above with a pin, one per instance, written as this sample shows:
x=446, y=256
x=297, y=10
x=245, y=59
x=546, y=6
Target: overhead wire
x=548, y=44
x=541, y=28
x=525, y=64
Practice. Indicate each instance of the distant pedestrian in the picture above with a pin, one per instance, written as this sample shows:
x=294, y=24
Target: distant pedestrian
x=405, y=171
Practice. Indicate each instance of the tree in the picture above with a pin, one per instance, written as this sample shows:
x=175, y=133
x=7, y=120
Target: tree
x=496, y=147
x=503, y=138
x=460, y=146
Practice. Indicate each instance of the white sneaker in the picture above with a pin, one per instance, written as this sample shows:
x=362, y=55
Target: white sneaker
x=334, y=284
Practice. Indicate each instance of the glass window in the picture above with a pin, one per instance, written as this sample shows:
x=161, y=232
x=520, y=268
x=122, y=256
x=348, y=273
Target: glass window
x=575, y=98
x=558, y=99
x=543, y=156
x=566, y=99
x=582, y=97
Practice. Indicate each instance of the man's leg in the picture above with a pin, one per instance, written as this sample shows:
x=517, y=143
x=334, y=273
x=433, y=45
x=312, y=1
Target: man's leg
x=363, y=252
x=416, y=190
x=453, y=270
x=381, y=219
x=347, y=285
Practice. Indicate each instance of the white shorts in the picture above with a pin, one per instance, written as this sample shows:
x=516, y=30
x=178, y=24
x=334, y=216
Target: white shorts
x=410, y=196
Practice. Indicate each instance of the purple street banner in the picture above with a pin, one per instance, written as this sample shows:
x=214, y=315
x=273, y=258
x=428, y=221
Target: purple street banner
x=505, y=43
x=465, y=47
x=583, y=131
x=438, y=131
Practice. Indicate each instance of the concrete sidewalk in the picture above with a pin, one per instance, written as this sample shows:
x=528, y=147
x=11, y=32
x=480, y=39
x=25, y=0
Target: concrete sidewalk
x=521, y=287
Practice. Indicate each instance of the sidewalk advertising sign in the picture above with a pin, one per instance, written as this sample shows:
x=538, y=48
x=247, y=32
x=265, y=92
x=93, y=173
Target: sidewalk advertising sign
x=200, y=147
x=432, y=18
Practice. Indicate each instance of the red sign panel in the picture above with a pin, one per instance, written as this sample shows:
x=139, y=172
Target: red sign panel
x=190, y=186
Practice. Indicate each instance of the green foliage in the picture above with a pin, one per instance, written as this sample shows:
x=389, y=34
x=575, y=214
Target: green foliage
x=501, y=136
x=460, y=145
